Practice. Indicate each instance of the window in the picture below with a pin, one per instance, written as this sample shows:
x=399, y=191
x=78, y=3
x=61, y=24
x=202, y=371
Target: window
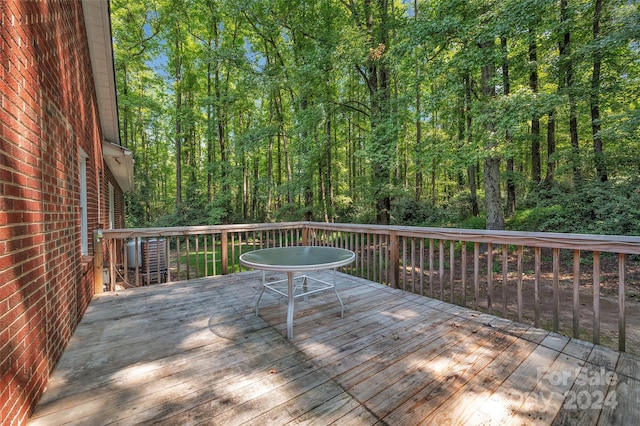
x=84, y=227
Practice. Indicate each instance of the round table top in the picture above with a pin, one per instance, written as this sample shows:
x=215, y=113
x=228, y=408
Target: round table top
x=297, y=258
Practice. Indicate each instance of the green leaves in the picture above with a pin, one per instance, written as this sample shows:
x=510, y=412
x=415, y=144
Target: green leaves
x=287, y=106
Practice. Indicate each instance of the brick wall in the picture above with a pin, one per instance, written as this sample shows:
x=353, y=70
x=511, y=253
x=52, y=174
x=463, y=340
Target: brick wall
x=48, y=116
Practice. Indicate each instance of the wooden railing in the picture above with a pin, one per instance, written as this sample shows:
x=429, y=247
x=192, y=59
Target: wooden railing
x=556, y=281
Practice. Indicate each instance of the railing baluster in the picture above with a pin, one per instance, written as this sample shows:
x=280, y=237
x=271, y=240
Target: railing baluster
x=366, y=255
x=157, y=254
x=352, y=246
x=476, y=274
x=576, y=294
x=379, y=258
x=147, y=273
x=390, y=258
x=112, y=268
x=360, y=253
x=206, y=255
x=556, y=289
x=431, y=260
x=622, y=331
x=413, y=264
x=519, y=282
x=197, y=256
x=596, y=297
x=213, y=254
x=375, y=257
x=490, y=277
x=452, y=263
x=233, y=252
x=240, y=242
x=463, y=266
x=138, y=260
x=167, y=257
x=188, y=257
x=421, y=268
x=441, y=267
x=125, y=259
x=177, y=258
x=505, y=276
x=536, y=288
x=404, y=265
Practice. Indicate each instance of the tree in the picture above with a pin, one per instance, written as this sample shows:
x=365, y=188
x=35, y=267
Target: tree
x=373, y=20
x=493, y=199
x=601, y=168
x=257, y=110
x=567, y=73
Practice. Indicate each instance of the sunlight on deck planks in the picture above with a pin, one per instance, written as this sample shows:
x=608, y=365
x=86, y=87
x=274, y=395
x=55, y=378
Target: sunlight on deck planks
x=193, y=352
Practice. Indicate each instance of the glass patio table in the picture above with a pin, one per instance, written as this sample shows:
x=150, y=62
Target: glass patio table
x=297, y=259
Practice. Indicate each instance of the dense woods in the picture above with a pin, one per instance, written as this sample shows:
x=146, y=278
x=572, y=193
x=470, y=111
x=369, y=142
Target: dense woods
x=514, y=113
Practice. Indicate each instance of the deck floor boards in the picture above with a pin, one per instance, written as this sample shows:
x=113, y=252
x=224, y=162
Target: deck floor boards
x=194, y=352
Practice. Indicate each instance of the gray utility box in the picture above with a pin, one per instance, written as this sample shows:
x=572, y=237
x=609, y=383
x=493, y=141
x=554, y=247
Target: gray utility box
x=152, y=259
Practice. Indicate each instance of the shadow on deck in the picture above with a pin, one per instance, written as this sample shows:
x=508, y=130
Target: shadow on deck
x=193, y=352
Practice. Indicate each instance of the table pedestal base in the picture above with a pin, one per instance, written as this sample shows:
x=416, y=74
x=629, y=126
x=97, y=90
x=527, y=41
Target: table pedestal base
x=308, y=285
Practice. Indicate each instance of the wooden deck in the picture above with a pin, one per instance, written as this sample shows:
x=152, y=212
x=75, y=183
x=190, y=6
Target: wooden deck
x=194, y=353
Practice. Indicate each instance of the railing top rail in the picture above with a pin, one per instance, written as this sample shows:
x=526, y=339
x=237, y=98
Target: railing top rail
x=586, y=242
x=197, y=230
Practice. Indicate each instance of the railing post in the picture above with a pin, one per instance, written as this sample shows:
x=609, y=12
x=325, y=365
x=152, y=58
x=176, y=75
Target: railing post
x=224, y=252
x=622, y=331
x=98, y=260
x=394, y=259
x=305, y=235
x=596, y=297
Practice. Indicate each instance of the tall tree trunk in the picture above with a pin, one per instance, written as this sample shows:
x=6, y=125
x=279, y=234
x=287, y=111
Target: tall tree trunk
x=221, y=121
x=329, y=172
x=125, y=109
x=245, y=187
x=178, y=75
x=279, y=122
x=269, y=177
x=551, y=148
x=307, y=178
x=566, y=63
x=382, y=169
x=460, y=178
x=471, y=169
x=377, y=78
x=255, y=190
x=322, y=192
x=493, y=201
x=418, y=146
x=210, y=155
x=536, y=172
x=287, y=158
x=418, y=150
x=601, y=168
x=511, y=185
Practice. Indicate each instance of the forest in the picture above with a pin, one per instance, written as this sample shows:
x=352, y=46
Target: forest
x=510, y=114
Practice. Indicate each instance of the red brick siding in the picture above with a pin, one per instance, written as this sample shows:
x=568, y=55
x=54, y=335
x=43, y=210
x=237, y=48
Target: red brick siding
x=48, y=113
